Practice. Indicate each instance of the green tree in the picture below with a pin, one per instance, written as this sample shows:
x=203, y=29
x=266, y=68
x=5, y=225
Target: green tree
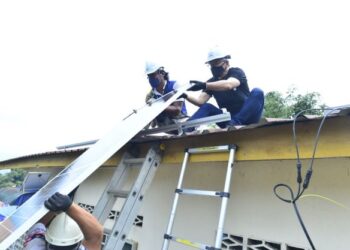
x=4, y=181
x=275, y=105
x=278, y=105
x=13, y=178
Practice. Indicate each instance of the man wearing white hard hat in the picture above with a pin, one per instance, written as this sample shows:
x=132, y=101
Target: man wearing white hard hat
x=158, y=78
x=72, y=229
x=229, y=86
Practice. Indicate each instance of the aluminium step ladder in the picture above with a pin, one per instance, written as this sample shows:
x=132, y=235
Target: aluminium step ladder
x=224, y=195
x=133, y=198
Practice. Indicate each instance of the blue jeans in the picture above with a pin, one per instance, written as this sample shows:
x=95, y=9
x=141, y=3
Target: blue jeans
x=250, y=112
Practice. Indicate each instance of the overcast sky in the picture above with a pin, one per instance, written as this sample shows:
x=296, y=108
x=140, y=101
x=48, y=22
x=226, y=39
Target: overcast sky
x=71, y=70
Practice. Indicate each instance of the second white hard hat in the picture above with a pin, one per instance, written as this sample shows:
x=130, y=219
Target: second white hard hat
x=151, y=67
x=63, y=231
x=217, y=53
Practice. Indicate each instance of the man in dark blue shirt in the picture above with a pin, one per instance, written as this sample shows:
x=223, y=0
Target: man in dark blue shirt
x=229, y=86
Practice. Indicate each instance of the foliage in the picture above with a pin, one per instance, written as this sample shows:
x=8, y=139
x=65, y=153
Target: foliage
x=279, y=106
x=13, y=178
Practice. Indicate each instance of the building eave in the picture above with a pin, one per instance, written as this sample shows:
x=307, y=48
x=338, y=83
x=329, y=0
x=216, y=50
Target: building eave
x=272, y=142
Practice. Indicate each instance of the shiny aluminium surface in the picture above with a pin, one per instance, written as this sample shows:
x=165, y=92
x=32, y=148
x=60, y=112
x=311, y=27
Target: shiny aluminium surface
x=31, y=211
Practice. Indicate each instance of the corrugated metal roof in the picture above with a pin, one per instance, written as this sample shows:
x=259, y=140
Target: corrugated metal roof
x=265, y=122
x=162, y=136
x=48, y=153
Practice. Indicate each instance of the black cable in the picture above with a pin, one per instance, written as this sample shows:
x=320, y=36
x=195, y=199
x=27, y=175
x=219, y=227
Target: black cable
x=303, y=226
x=293, y=201
x=308, y=175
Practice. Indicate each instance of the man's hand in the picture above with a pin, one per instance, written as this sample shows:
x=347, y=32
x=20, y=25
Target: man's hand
x=198, y=85
x=58, y=203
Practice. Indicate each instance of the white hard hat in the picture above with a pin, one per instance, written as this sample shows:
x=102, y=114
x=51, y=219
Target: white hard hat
x=217, y=53
x=63, y=231
x=151, y=67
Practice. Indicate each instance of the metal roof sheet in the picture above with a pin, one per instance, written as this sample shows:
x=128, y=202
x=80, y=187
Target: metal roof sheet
x=264, y=122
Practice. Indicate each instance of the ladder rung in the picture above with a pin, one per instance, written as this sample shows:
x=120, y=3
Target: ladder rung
x=133, y=161
x=202, y=192
x=190, y=243
x=225, y=194
x=213, y=149
x=119, y=193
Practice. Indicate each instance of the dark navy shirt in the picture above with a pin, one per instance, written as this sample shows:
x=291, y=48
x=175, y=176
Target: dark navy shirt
x=233, y=99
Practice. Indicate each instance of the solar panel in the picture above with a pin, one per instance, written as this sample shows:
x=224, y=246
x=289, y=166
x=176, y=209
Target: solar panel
x=30, y=212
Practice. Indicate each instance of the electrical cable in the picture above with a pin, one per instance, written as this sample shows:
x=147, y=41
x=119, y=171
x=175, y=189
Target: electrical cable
x=308, y=175
x=336, y=203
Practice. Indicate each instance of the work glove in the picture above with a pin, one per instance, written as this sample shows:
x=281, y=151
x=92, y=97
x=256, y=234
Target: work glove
x=58, y=203
x=198, y=85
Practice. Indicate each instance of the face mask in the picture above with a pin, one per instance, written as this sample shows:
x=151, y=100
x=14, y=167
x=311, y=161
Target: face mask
x=154, y=82
x=217, y=71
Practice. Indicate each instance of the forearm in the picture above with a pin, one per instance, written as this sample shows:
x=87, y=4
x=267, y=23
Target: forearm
x=223, y=85
x=198, y=100
x=47, y=218
x=91, y=228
